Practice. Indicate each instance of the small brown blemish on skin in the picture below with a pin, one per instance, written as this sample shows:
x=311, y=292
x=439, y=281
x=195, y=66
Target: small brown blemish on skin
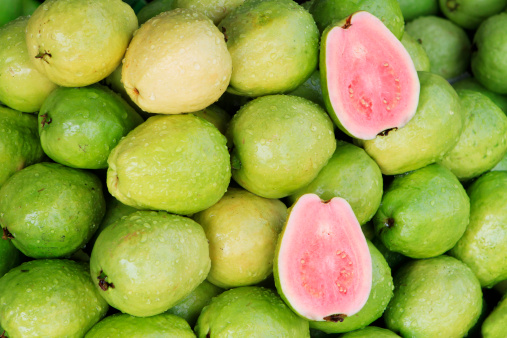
x=45, y=120
x=339, y=317
x=41, y=189
x=136, y=92
x=225, y=35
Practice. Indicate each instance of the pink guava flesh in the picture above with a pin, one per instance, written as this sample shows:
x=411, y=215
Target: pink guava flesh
x=324, y=264
x=371, y=80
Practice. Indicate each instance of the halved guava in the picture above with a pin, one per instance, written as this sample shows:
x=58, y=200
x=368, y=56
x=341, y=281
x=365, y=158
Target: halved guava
x=323, y=267
x=369, y=82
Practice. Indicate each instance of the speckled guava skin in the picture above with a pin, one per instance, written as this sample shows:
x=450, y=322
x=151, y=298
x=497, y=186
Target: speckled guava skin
x=437, y=297
x=49, y=298
x=250, y=311
x=417, y=53
x=51, y=210
x=370, y=332
x=494, y=325
x=123, y=325
x=148, y=261
x=469, y=14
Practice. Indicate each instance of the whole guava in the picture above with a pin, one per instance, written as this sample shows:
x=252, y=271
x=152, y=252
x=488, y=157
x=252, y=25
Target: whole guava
x=10, y=256
x=417, y=53
x=216, y=10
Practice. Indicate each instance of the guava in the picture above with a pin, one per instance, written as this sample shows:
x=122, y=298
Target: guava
x=216, y=10
x=494, y=325
x=19, y=142
x=430, y=134
x=154, y=8
x=310, y=89
x=446, y=44
x=49, y=298
x=416, y=52
x=250, y=311
x=483, y=142
x=370, y=332
x=351, y=174
x=380, y=295
x=10, y=256
x=413, y=9
x=176, y=63
x=326, y=12
x=469, y=14
x=280, y=143
x=489, y=66
x=436, y=297
x=323, y=266
x=483, y=246
x=147, y=262
x=178, y=163
x=471, y=83
x=76, y=43
x=22, y=86
x=423, y=213
x=502, y=165
x=123, y=325
x=273, y=45
x=393, y=259
x=216, y=115
x=369, y=81
x=9, y=10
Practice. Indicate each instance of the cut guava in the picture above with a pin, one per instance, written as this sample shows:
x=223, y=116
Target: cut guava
x=323, y=267
x=369, y=82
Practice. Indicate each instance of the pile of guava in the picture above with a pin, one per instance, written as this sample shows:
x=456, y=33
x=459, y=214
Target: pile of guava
x=253, y=168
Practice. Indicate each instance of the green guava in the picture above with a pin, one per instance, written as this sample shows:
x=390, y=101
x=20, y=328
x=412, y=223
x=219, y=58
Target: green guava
x=393, y=259
x=430, y=134
x=494, y=325
x=29, y=6
x=310, y=89
x=22, y=86
x=146, y=262
x=483, y=246
x=216, y=115
x=280, y=143
x=250, y=311
x=19, y=142
x=178, y=163
x=326, y=12
x=502, y=165
x=153, y=9
x=436, y=297
x=242, y=244
x=273, y=45
x=216, y=10
x=483, y=142
x=423, y=213
x=49, y=298
x=471, y=83
x=380, y=295
x=417, y=53
x=351, y=174
x=123, y=325
x=9, y=10
x=10, y=256
x=370, y=332
x=469, y=14
x=413, y=9
x=446, y=44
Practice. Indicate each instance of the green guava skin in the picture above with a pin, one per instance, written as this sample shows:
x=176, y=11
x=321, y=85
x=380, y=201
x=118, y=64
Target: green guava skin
x=242, y=231
x=446, y=44
x=9, y=10
x=423, y=213
x=29, y=6
x=281, y=142
x=427, y=137
x=250, y=311
x=436, y=297
x=502, y=165
x=22, y=86
x=494, y=325
x=217, y=116
x=325, y=12
x=393, y=259
x=471, y=83
x=351, y=174
x=310, y=89
x=416, y=52
x=79, y=127
x=123, y=325
x=216, y=10
x=274, y=46
x=153, y=9
x=51, y=210
x=489, y=66
x=483, y=142
x=469, y=14
x=178, y=163
x=190, y=307
x=49, y=298
x=62, y=39
x=10, y=257
x=483, y=246
x=370, y=332
x=19, y=142
x=380, y=295
x=153, y=259
x=413, y=9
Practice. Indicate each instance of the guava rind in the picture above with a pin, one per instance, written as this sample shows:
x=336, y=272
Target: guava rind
x=494, y=324
x=417, y=53
x=470, y=14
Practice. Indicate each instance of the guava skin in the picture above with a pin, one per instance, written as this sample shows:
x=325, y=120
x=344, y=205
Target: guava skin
x=51, y=210
x=483, y=246
x=216, y=10
x=471, y=83
x=216, y=115
x=147, y=262
x=22, y=86
x=250, y=311
x=413, y=9
x=417, y=53
x=502, y=165
x=469, y=14
x=436, y=297
x=153, y=9
x=310, y=89
x=494, y=324
x=49, y=298
x=370, y=332
x=10, y=257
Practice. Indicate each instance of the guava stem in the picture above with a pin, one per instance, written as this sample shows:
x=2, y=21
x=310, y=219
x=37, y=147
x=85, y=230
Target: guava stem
x=348, y=22
x=45, y=120
x=3, y=335
x=102, y=281
x=389, y=222
x=338, y=317
x=7, y=235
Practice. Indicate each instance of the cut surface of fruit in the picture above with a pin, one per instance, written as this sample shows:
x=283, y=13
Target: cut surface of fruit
x=369, y=81
x=323, y=267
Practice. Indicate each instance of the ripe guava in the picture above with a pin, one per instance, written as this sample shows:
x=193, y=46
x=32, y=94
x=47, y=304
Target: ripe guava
x=369, y=81
x=413, y=9
x=323, y=266
x=469, y=14
x=370, y=332
x=49, y=298
x=472, y=84
x=250, y=311
x=79, y=42
x=273, y=45
x=416, y=52
x=146, y=262
x=176, y=63
x=494, y=325
x=216, y=10
x=242, y=230
x=10, y=256
x=51, y=210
